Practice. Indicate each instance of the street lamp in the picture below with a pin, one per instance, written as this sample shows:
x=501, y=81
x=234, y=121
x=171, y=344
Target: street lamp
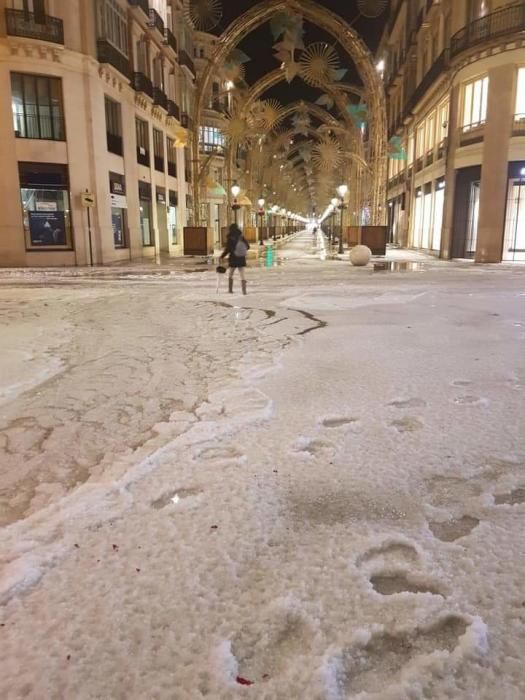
x=261, y=202
x=341, y=191
x=236, y=191
x=335, y=203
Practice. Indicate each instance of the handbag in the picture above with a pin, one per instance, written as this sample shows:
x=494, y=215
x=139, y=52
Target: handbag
x=221, y=269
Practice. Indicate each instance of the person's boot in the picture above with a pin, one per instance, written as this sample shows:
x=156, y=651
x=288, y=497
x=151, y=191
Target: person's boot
x=243, y=283
x=230, y=285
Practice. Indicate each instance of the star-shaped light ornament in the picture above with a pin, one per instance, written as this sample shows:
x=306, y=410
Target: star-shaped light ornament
x=358, y=114
x=395, y=149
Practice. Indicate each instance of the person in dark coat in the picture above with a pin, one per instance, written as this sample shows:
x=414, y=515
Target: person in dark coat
x=236, y=249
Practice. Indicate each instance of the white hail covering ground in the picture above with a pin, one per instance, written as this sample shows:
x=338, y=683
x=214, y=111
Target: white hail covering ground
x=315, y=492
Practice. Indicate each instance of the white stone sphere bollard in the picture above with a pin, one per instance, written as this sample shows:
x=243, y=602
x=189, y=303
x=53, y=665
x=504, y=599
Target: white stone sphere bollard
x=360, y=255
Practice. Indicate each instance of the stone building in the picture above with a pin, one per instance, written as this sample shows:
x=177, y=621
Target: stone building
x=454, y=72
x=97, y=99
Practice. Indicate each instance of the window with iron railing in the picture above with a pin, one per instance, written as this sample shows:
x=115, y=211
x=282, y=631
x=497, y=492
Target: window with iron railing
x=172, y=157
x=112, y=24
x=113, y=126
x=37, y=107
x=158, y=150
x=142, y=135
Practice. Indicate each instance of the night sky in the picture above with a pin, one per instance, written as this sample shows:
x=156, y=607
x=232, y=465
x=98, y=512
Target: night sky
x=259, y=46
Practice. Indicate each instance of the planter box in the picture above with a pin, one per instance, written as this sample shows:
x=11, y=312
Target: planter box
x=375, y=237
x=198, y=240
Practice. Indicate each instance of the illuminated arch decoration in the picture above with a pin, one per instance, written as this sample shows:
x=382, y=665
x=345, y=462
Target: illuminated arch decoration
x=352, y=44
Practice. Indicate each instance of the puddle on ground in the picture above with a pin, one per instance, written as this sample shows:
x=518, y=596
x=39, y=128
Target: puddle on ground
x=390, y=266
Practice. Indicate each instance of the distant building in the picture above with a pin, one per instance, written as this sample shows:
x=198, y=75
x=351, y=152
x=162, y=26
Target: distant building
x=454, y=72
x=97, y=97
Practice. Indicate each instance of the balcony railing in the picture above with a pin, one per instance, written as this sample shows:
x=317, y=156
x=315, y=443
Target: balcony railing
x=509, y=20
x=114, y=142
x=219, y=106
x=156, y=21
x=34, y=26
x=30, y=124
x=141, y=83
x=438, y=67
x=160, y=98
x=142, y=156
x=172, y=169
x=106, y=53
x=173, y=110
x=159, y=163
x=185, y=60
x=170, y=40
x=143, y=4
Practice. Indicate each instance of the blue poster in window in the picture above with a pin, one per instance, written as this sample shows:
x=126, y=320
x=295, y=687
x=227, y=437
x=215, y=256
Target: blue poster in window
x=47, y=228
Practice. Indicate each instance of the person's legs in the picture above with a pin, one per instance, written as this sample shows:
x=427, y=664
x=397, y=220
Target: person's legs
x=230, y=280
x=243, y=279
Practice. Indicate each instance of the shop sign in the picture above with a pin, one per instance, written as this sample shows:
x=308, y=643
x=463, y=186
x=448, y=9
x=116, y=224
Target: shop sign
x=47, y=228
x=46, y=206
x=119, y=201
x=161, y=196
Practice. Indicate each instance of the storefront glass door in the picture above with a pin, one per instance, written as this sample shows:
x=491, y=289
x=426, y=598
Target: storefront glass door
x=514, y=245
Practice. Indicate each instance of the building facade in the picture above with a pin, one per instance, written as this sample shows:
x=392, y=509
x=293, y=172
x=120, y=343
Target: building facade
x=454, y=73
x=98, y=98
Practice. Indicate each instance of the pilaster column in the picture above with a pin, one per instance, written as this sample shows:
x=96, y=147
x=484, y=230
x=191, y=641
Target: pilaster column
x=494, y=171
x=450, y=175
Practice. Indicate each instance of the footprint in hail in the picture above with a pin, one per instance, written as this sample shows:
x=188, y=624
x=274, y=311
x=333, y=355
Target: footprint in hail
x=408, y=424
x=408, y=403
x=266, y=649
x=338, y=422
x=381, y=661
x=175, y=497
x=454, y=528
x=513, y=498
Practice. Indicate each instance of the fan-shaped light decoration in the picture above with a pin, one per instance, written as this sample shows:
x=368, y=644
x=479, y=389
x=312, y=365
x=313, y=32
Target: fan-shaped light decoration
x=266, y=114
x=327, y=155
x=318, y=63
x=233, y=68
x=204, y=15
x=236, y=129
x=302, y=122
x=371, y=8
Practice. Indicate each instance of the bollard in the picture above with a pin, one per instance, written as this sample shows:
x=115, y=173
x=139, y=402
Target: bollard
x=269, y=256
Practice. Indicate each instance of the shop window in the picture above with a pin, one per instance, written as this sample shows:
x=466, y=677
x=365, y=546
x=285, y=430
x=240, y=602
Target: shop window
x=520, y=95
x=36, y=103
x=172, y=216
x=158, y=150
x=44, y=191
x=117, y=188
x=475, y=103
x=113, y=126
x=172, y=157
x=142, y=133
x=145, y=212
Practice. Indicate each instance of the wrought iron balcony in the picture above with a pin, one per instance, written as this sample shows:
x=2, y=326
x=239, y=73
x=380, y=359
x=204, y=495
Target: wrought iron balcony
x=107, y=53
x=438, y=67
x=141, y=83
x=160, y=98
x=156, y=21
x=508, y=20
x=114, y=142
x=143, y=4
x=173, y=110
x=170, y=40
x=185, y=60
x=31, y=25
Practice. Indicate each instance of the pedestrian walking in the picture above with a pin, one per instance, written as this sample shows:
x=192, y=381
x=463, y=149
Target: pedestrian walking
x=236, y=249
